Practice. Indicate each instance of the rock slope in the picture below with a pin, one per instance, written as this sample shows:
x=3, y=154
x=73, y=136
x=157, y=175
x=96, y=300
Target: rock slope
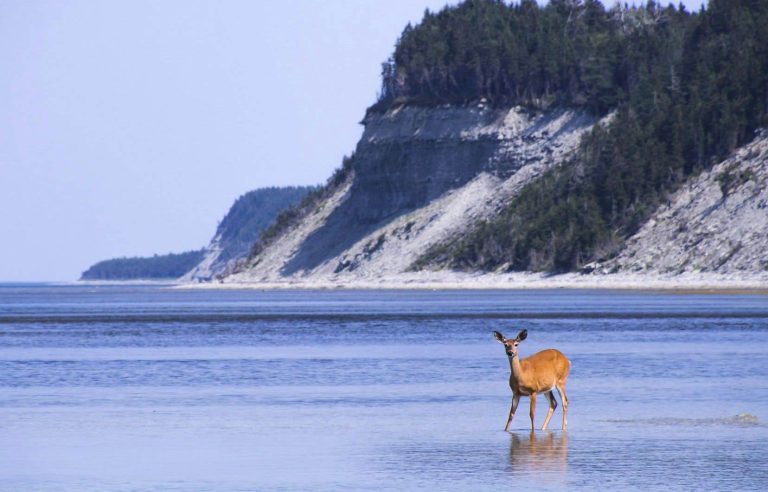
x=718, y=222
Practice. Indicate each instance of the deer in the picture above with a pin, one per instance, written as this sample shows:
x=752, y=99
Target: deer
x=542, y=372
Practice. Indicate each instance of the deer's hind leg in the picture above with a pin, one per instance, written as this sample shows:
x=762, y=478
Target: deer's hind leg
x=551, y=410
x=561, y=389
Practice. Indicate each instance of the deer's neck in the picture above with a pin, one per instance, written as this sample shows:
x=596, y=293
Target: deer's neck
x=515, y=367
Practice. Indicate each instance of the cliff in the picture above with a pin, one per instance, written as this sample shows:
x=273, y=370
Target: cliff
x=420, y=176
x=715, y=225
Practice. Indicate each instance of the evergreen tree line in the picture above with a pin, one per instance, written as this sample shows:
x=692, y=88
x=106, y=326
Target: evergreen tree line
x=686, y=89
x=170, y=266
x=566, y=53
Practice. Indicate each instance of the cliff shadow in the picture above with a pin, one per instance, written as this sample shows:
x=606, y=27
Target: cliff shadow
x=392, y=179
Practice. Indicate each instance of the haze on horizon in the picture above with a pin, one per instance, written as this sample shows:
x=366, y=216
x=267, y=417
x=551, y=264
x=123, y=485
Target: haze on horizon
x=128, y=129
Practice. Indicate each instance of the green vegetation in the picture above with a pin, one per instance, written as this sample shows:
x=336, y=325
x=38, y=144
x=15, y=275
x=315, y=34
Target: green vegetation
x=731, y=178
x=170, y=266
x=569, y=53
x=686, y=90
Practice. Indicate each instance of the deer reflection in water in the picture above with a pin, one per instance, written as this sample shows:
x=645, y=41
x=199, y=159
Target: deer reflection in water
x=543, y=455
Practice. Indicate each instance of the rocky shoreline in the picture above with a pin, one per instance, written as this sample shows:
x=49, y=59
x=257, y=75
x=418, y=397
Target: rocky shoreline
x=699, y=282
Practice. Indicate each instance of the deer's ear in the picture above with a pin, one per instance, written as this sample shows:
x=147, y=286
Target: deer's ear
x=522, y=335
x=498, y=336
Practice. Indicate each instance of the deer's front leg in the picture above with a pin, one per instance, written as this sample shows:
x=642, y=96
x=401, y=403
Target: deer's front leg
x=533, y=410
x=512, y=410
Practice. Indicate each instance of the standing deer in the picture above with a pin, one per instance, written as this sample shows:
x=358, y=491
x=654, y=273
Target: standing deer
x=540, y=373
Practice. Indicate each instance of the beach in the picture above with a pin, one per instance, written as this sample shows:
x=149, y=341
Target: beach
x=701, y=282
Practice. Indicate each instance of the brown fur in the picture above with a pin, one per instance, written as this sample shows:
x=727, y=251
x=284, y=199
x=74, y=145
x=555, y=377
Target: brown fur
x=542, y=372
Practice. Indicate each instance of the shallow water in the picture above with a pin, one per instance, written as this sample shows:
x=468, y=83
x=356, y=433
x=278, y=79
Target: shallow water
x=145, y=388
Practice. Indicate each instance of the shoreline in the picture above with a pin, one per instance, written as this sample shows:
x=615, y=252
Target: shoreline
x=700, y=283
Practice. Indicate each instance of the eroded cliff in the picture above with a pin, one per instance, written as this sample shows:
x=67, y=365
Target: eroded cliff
x=420, y=176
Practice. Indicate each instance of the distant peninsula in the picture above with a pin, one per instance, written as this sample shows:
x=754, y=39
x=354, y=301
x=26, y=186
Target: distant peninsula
x=157, y=267
x=240, y=228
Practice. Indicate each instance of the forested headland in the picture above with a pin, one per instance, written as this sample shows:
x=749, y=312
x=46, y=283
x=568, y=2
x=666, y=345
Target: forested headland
x=684, y=90
x=246, y=220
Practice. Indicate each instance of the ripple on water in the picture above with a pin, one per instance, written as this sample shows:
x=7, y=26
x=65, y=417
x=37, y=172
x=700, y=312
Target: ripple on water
x=740, y=420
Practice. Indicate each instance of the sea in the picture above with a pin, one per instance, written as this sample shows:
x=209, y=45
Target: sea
x=152, y=387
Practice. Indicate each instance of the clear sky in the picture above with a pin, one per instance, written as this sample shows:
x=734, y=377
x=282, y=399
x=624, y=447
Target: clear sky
x=129, y=127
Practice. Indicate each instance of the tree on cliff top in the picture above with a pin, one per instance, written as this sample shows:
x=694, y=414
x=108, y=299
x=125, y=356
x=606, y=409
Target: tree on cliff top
x=569, y=52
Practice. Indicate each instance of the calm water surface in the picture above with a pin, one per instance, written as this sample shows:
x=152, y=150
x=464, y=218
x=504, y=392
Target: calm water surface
x=147, y=388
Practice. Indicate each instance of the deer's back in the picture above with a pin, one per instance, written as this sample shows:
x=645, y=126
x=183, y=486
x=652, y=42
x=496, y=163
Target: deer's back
x=549, y=362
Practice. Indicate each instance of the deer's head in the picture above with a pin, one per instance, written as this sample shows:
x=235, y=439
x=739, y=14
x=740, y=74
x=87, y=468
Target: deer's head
x=510, y=344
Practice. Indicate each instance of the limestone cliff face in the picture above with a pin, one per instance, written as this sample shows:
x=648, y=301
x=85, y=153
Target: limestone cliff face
x=717, y=222
x=420, y=175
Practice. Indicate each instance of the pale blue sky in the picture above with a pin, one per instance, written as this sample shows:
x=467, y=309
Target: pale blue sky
x=129, y=128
